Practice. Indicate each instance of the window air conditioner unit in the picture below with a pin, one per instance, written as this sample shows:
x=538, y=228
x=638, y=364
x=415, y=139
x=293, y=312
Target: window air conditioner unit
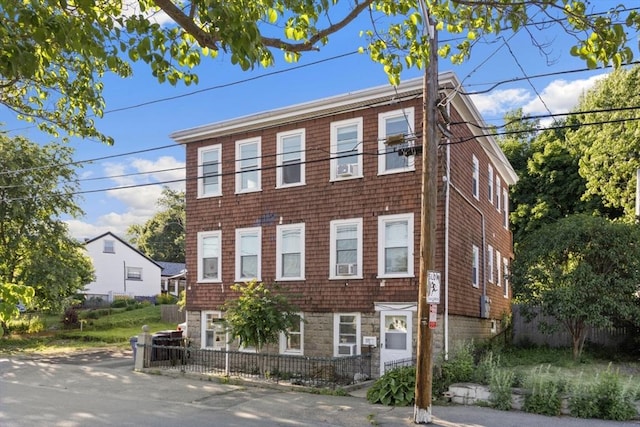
x=348, y=169
x=347, y=349
x=346, y=269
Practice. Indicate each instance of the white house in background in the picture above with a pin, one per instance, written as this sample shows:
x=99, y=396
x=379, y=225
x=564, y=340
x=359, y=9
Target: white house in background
x=120, y=269
x=173, y=277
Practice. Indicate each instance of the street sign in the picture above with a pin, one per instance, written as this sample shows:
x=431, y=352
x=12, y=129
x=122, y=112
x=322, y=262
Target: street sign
x=433, y=316
x=433, y=284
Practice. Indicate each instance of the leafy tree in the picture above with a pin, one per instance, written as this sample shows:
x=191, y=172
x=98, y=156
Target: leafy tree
x=54, y=54
x=259, y=314
x=583, y=271
x=607, y=138
x=162, y=237
x=39, y=262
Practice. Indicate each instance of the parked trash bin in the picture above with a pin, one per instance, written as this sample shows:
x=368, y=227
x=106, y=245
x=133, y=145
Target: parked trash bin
x=164, y=345
x=134, y=345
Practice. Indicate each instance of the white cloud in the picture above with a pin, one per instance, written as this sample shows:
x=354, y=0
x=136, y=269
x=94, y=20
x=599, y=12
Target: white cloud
x=143, y=180
x=560, y=96
x=500, y=101
x=130, y=8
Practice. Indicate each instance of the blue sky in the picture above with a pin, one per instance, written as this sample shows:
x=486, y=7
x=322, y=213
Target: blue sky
x=226, y=92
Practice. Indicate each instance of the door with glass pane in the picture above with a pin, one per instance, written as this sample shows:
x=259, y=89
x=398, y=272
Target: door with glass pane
x=395, y=340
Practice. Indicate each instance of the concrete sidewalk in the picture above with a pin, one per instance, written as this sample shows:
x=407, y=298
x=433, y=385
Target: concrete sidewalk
x=101, y=378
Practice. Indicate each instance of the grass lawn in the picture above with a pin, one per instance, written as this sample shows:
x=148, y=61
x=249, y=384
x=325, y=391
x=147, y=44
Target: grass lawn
x=98, y=328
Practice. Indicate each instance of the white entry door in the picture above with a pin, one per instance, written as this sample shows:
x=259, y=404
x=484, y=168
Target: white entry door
x=395, y=336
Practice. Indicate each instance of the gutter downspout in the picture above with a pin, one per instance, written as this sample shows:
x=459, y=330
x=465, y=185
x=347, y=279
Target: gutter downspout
x=447, y=182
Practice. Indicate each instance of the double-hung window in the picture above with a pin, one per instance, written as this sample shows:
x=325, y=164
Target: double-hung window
x=505, y=269
x=490, y=262
x=498, y=193
x=109, y=247
x=490, y=182
x=394, y=130
x=290, y=252
x=209, y=171
x=346, y=249
x=346, y=149
x=248, y=164
x=505, y=208
x=134, y=273
x=346, y=332
x=292, y=342
x=209, y=256
x=395, y=245
x=475, y=178
x=248, y=254
x=498, y=268
x=290, y=158
x=475, y=266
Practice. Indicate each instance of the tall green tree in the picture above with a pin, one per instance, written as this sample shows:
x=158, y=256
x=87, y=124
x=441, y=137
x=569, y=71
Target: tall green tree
x=259, y=314
x=606, y=134
x=40, y=263
x=161, y=238
x=582, y=270
x=55, y=53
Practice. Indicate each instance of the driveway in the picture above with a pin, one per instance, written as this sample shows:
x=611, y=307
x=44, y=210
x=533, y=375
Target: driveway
x=100, y=389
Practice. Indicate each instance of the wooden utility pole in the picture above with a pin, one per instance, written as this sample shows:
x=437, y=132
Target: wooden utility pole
x=424, y=377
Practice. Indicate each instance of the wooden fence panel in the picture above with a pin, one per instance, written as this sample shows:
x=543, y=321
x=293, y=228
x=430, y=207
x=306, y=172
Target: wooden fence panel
x=524, y=332
x=171, y=313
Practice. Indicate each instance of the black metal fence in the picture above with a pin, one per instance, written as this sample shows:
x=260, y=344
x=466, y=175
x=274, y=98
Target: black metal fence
x=388, y=366
x=330, y=372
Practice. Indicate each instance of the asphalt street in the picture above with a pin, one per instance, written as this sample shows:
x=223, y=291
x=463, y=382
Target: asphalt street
x=101, y=389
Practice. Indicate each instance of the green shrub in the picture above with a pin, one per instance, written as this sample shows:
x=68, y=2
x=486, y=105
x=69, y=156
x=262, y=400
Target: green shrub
x=500, y=387
x=70, y=318
x=395, y=388
x=166, y=299
x=26, y=324
x=544, y=396
x=605, y=399
x=459, y=368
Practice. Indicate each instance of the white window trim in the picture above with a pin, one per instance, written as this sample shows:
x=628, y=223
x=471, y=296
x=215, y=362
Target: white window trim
x=490, y=262
x=279, y=157
x=332, y=248
x=475, y=183
x=201, y=151
x=498, y=268
x=490, y=182
x=505, y=208
x=382, y=220
x=505, y=267
x=336, y=332
x=475, y=262
x=498, y=193
x=334, y=150
x=408, y=114
x=134, y=270
x=201, y=236
x=239, y=144
x=240, y=232
x=279, y=232
x=283, y=340
x=203, y=329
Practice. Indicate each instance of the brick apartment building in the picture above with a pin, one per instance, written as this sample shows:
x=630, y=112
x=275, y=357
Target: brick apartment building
x=315, y=198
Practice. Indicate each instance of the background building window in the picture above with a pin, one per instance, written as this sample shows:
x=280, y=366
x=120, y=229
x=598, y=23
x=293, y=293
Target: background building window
x=134, y=273
x=290, y=253
x=209, y=258
x=399, y=123
x=395, y=245
x=346, y=248
x=248, y=165
x=209, y=173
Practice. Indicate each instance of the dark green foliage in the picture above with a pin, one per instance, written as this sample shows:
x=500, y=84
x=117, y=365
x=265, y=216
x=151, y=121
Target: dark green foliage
x=459, y=368
x=544, y=397
x=395, y=388
x=70, y=318
x=166, y=299
x=606, y=399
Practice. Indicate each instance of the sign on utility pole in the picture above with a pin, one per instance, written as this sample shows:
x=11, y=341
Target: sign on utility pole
x=424, y=375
